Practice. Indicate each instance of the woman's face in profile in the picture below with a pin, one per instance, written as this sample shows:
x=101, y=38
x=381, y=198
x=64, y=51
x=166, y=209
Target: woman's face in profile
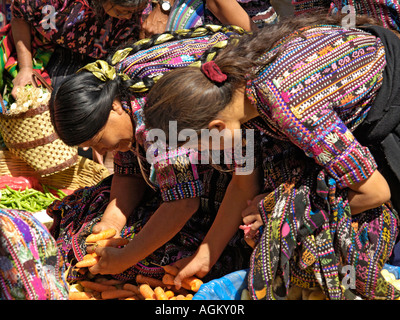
x=116, y=135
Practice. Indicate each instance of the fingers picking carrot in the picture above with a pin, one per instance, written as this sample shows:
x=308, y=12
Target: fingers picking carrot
x=160, y=294
x=116, y=294
x=147, y=292
x=89, y=262
x=97, y=286
x=105, y=234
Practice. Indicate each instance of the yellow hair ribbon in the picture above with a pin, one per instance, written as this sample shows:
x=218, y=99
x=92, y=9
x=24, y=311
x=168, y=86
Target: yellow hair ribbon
x=120, y=55
x=101, y=70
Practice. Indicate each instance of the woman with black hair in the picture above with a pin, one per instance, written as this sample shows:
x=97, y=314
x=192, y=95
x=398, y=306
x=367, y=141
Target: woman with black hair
x=101, y=107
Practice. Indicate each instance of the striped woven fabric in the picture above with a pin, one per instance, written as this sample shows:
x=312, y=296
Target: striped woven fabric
x=317, y=91
x=192, y=13
x=311, y=97
x=386, y=11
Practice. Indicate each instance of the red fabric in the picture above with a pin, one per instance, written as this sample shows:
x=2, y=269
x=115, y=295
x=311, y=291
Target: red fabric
x=213, y=72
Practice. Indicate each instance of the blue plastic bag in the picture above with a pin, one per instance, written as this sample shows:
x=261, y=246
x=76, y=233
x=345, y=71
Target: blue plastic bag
x=393, y=269
x=229, y=287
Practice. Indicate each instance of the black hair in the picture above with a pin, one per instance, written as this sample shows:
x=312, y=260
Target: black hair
x=80, y=107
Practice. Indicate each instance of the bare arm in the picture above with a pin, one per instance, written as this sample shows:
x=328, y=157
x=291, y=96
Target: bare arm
x=21, y=31
x=126, y=193
x=164, y=224
x=369, y=193
x=230, y=12
x=225, y=225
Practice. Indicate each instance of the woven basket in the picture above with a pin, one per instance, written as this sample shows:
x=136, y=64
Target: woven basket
x=84, y=173
x=31, y=137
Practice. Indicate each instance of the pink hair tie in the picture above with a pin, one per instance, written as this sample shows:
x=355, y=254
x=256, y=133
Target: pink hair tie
x=213, y=72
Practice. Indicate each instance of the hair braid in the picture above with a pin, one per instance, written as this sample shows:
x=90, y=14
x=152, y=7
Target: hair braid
x=144, y=84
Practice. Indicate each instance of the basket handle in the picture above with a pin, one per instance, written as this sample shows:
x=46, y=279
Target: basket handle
x=37, y=76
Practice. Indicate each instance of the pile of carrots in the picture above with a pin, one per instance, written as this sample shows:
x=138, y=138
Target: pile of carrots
x=144, y=288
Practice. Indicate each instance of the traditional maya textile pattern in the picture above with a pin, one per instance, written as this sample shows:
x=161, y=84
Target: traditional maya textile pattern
x=309, y=233
x=75, y=216
x=31, y=268
x=310, y=97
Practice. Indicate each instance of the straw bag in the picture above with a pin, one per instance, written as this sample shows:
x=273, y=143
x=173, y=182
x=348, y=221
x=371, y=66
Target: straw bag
x=31, y=137
x=84, y=173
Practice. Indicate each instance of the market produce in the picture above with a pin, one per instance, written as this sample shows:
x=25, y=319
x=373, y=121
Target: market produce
x=102, y=288
x=147, y=292
x=29, y=97
x=103, y=235
x=29, y=199
x=18, y=183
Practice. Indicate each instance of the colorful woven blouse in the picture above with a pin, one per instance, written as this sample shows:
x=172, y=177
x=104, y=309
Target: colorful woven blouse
x=317, y=91
x=386, y=11
x=192, y=13
x=174, y=171
x=74, y=25
x=31, y=267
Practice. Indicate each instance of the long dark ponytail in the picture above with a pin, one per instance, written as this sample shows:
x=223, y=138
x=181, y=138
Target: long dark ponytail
x=80, y=107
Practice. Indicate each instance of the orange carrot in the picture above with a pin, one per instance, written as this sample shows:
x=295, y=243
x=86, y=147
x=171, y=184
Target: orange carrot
x=90, y=256
x=160, y=294
x=150, y=281
x=114, y=242
x=97, y=286
x=168, y=279
x=116, y=294
x=105, y=234
x=89, y=262
x=110, y=282
x=189, y=296
x=131, y=287
x=147, y=292
x=134, y=297
x=170, y=269
x=80, y=296
x=180, y=297
x=169, y=294
x=193, y=282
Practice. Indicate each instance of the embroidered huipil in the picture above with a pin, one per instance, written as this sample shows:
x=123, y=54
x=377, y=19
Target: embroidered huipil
x=175, y=172
x=385, y=11
x=74, y=25
x=317, y=91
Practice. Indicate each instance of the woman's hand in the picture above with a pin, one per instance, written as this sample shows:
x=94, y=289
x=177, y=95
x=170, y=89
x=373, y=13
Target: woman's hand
x=112, y=261
x=251, y=216
x=24, y=77
x=197, y=265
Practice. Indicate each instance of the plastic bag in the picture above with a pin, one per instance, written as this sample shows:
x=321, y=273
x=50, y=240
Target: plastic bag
x=393, y=269
x=229, y=287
